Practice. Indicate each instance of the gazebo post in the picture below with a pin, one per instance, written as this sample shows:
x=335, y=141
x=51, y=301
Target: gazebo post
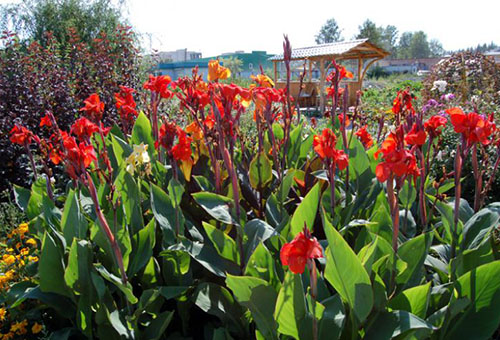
x=275, y=72
x=322, y=86
x=310, y=70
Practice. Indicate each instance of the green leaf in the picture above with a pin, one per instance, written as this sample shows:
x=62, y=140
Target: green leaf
x=51, y=268
x=290, y=306
x=21, y=196
x=142, y=133
x=175, y=191
x=223, y=243
x=157, y=326
x=143, y=243
x=346, y=274
x=219, y=207
x=216, y=300
x=73, y=223
x=331, y=324
x=260, y=298
x=306, y=211
x=278, y=131
x=129, y=191
x=257, y=231
x=77, y=274
x=382, y=217
x=121, y=149
x=164, y=213
x=414, y=252
x=260, y=171
x=126, y=289
x=414, y=300
x=479, y=226
x=482, y=317
x=261, y=265
x=388, y=325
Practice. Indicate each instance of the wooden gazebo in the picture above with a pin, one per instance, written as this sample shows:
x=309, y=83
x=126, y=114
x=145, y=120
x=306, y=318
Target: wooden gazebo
x=356, y=55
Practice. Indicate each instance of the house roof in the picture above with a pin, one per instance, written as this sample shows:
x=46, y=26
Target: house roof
x=359, y=47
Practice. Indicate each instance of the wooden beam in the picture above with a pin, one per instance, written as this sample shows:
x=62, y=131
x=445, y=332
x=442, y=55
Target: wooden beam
x=310, y=70
x=322, y=79
x=366, y=68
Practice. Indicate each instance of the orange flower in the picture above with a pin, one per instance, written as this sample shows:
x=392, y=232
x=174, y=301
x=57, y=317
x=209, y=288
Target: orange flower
x=263, y=80
x=475, y=128
x=432, y=125
x=364, y=137
x=45, y=121
x=296, y=253
x=324, y=146
x=216, y=71
x=37, y=328
x=415, y=136
x=182, y=150
x=195, y=131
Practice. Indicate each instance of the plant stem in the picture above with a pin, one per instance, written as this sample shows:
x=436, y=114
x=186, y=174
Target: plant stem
x=313, y=283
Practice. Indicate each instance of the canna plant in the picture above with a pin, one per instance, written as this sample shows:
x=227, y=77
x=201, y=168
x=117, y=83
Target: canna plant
x=190, y=227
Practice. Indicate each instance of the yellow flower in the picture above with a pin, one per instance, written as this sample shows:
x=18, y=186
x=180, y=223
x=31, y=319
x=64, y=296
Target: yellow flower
x=263, y=80
x=19, y=327
x=37, y=328
x=10, y=274
x=33, y=258
x=31, y=242
x=10, y=250
x=24, y=251
x=23, y=228
x=3, y=312
x=216, y=71
x=8, y=336
x=8, y=259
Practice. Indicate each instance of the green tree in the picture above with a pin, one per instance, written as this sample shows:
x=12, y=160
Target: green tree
x=403, y=49
x=436, y=48
x=329, y=32
x=419, y=46
x=32, y=19
x=390, y=39
x=234, y=64
x=370, y=31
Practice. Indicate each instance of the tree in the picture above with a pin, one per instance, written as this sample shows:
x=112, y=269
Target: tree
x=32, y=19
x=419, y=46
x=390, y=39
x=436, y=48
x=234, y=65
x=403, y=50
x=370, y=31
x=329, y=32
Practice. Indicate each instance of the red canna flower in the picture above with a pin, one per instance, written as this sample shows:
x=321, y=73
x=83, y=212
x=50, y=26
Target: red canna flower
x=364, y=137
x=77, y=157
x=474, y=127
x=84, y=128
x=159, y=84
x=415, y=136
x=125, y=103
x=324, y=146
x=296, y=253
x=433, y=124
x=94, y=108
x=403, y=100
x=166, y=139
x=182, y=150
x=400, y=163
x=45, y=121
x=21, y=135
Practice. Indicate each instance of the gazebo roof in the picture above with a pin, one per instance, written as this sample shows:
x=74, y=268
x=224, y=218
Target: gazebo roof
x=353, y=48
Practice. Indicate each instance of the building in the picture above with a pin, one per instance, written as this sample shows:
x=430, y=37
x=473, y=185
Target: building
x=408, y=65
x=495, y=54
x=178, y=55
x=250, y=64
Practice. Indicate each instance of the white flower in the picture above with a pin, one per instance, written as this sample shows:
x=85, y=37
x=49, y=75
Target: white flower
x=138, y=157
x=439, y=85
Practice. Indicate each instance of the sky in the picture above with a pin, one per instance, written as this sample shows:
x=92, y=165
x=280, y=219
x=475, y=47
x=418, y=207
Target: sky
x=218, y=26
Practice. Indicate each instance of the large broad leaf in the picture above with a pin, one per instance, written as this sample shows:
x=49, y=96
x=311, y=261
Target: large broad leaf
x=482, y=316
x=51, y=268
x=260, y=171
x=126, y=289
x=219, y=207
x=257, y=231
x=77, y=275
x=262, y=265
x=382, y=217
x=157, y=327
x=142, y=133
x=414, y=300
x=223, y=243
x=290, y=306
x=216, y=300
x=130, y=195
x=306, y=211
x=21, y=196
x=414, y=253
x=164, y=213
x=479, y=226
x=143, y=243
x=388, y=325
x=346, y=274
x=73, y=223
x=333, y=318
x=260, y=298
